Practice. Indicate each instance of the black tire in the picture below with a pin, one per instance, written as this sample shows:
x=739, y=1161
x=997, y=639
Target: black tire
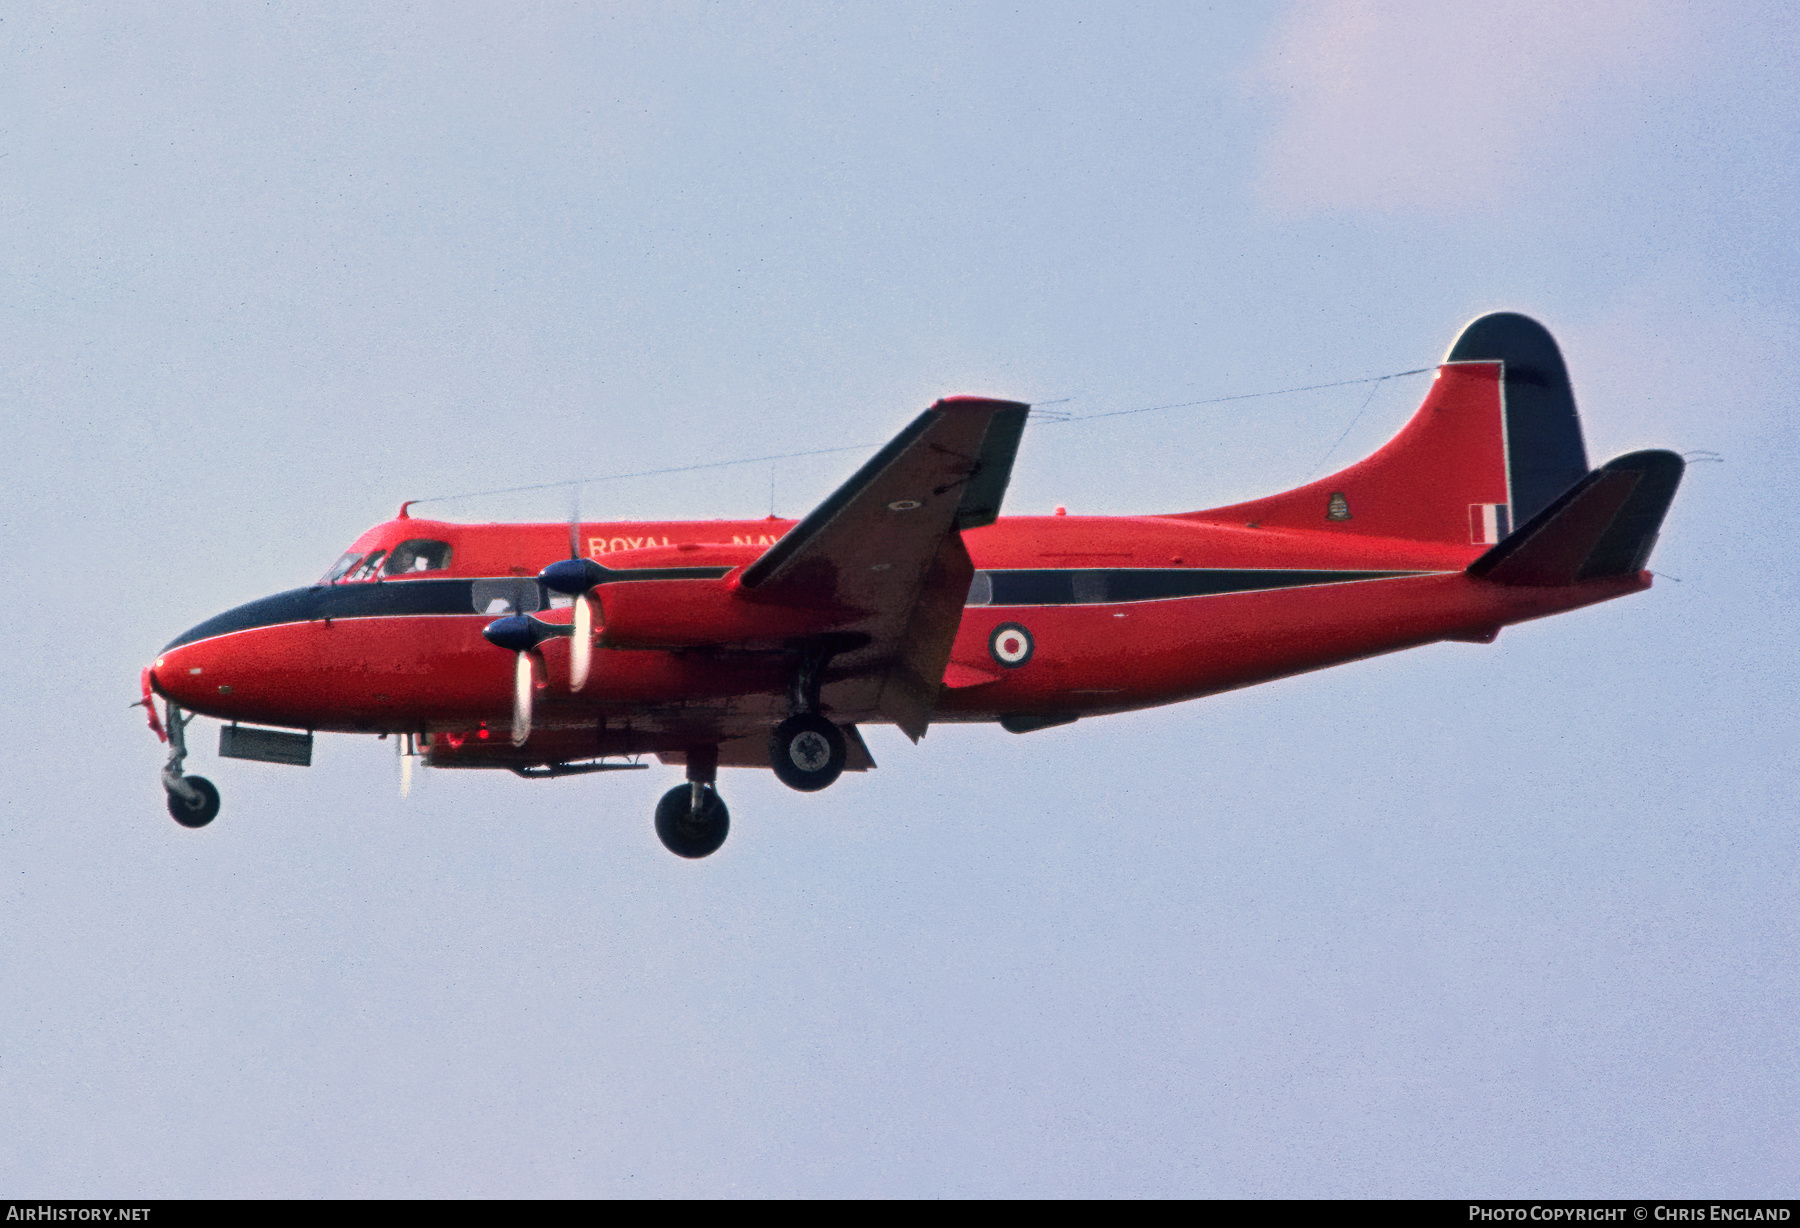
x=685, y=833
x=807, y=752
x=195, y=816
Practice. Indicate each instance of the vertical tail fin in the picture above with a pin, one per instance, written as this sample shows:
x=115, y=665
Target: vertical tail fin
x=1496, y=441
x=1545, y=454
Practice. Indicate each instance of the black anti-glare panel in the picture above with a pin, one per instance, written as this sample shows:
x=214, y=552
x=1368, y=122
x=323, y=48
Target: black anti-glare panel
x=361, y=599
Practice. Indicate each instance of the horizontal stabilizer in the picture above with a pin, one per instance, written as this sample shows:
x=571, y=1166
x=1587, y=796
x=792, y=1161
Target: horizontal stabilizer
x=1603, y=526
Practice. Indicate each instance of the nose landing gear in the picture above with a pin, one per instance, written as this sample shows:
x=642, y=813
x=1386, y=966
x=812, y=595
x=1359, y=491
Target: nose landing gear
x=204, y=807
x=691, y=819
x=193, y=802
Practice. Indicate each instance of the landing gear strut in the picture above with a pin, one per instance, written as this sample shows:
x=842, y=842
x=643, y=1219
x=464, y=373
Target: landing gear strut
x=193, y=802
x=691, y=819
x=806, y=750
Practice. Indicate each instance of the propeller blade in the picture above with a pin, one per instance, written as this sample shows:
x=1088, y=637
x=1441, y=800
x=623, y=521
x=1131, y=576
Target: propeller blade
x=581, y=646
x=407, y=746
x=575, y=523
x=523, y=685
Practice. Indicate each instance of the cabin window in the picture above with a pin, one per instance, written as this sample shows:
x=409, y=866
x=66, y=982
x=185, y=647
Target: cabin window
x=981, y=589
x=1089, y=587
x=419, y=554
x=341, y=568
x=498, y=597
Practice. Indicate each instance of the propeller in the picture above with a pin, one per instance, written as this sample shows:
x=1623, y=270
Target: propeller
x=581, y=647
x=575, y=522
x=520, y=634
x=524, y=683
x=576, y=577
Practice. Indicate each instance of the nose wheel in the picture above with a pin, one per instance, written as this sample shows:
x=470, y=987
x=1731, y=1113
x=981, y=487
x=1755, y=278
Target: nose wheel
x=202, y=809
x=193, y=802
x=691, y=819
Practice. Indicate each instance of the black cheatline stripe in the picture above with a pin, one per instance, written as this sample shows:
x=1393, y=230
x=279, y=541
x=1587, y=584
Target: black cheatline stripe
x=1036, y=586
x=1094, y=586
x=624, y=575
x=394, y=598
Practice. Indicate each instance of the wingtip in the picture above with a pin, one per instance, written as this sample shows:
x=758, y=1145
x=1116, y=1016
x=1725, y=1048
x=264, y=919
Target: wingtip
x=978, y=403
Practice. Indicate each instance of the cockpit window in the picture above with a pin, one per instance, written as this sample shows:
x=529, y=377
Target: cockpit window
x=419, y=554
x=369, y=568
x=341, y=568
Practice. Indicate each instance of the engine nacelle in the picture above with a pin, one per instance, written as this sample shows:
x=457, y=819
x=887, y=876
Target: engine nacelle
x=659, y=607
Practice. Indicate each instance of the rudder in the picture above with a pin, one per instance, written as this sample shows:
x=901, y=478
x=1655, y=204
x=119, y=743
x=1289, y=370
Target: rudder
x=1545, y=452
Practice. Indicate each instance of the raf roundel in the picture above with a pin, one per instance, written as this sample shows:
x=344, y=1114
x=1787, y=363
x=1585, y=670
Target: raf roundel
x=1011, y=645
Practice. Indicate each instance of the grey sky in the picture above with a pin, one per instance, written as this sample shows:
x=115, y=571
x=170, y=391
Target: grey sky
x=1517, y=919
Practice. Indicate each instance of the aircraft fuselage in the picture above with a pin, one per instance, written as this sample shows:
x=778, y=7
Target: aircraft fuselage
x=1116, y=613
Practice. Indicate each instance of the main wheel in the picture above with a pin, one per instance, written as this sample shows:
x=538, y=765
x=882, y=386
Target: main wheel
x=685, y=833
x=807, y=752
x=195, y=816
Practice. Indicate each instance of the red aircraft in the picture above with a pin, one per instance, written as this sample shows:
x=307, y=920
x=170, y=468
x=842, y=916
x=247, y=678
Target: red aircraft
x=903, y=598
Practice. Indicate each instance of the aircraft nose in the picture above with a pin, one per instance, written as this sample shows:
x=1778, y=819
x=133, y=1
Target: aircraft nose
x=180, y=674
x=205, y=667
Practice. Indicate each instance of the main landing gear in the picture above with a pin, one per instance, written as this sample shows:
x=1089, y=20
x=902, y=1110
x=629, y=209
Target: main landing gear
x=806, y=750
x=807, y=753
x=692, y=820
x=193, y=802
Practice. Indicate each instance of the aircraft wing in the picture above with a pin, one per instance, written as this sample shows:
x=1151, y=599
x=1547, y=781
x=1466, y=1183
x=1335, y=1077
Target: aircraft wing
x=886, y=550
